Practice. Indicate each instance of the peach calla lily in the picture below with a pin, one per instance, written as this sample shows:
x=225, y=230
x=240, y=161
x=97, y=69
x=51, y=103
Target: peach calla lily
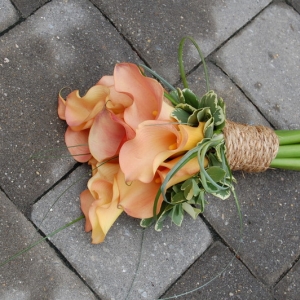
x=137, y=198
x=117, y=101
x=100, y=202
x=155, y=142
x=104, y=172
x=80, y=111
x=100, y=216
x=147, y=94
x=109, y=195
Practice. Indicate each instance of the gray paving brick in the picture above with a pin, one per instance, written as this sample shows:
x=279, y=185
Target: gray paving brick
x=109, y=268
x=28, y=7
x=270, y=210
x=155, y=28
x=37, y=274
x=295, y=4
x=8, y=15
x=288, y=287
x=234, y=280
x=62, y=44
x=264, y=61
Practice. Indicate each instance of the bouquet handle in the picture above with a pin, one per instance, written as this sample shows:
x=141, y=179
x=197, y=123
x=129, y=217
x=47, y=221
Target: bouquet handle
x=249, y=148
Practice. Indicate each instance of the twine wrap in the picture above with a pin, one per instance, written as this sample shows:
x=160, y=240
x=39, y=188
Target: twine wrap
x=250, y=148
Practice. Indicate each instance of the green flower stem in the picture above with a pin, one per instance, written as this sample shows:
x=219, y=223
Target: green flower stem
x=289, y=151
x=288, y=137
x=181, y=67
x=288, y=156
x=286, y=163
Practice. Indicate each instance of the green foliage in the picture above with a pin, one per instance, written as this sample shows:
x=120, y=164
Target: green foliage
x=215, y=175
x=189, y=196
x=191, y=110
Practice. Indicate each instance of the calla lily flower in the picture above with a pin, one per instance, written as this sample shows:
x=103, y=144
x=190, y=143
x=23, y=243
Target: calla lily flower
x=80, y=114
x=100, y=216
x=104, y=173
x=109, y=130
x=137, y=198
x=147, y=94
x=155, y=142
x=100, y=202
x=80, y=111
x=117, y=101
x=108, y=195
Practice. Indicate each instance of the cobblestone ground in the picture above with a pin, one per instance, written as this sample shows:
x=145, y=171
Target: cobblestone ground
x=252, y=49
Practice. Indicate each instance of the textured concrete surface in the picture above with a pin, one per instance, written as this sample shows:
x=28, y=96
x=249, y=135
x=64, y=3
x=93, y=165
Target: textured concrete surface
x=268, y=69
x=288, y=287
x=28, y=7
x=163, y=256
x=295, y=4
x=270, y=220
x=252, y=51
x=37, y=274
x=8, y=15
x=155, y=28
x=233, y=280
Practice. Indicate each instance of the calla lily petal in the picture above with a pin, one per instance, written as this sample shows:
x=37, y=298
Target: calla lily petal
x=137, y=155
x=86, y=200
x=137, y=198
x=79, y=110
x=100, y=203
x=147, y=94
x=118, y=101
x=106, y=136
x=77, y=142
x=165, y=112
x=102, y=217
x=61, y=110
x=191, y=136
x=155, y=142
x=107, y=81
x=104, y=175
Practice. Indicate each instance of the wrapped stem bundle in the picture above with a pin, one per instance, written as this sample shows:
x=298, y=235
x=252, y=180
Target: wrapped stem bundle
x=257, y=148
x=250, y=148
x=155, y=154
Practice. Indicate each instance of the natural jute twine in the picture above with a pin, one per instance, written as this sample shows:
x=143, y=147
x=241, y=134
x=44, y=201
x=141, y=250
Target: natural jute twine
x=250, y=148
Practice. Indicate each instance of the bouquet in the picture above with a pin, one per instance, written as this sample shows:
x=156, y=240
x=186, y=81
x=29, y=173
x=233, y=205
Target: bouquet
x=155, y=152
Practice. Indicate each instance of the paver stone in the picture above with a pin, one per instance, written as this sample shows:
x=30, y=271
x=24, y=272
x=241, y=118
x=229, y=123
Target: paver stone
x=157, y=258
